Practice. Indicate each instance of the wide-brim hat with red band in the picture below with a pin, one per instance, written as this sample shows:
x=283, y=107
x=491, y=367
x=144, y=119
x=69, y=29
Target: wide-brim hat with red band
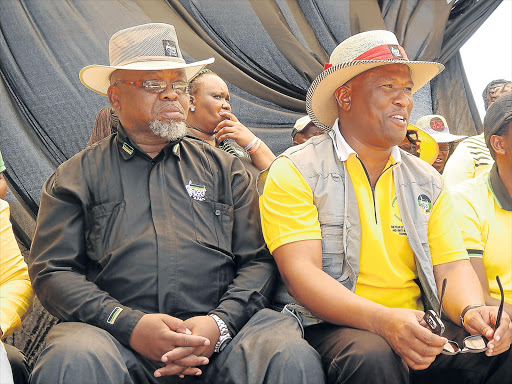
x=352, y=57
x=147, y=47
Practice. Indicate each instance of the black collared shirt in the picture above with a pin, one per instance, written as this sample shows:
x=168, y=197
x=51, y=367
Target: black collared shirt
x=120, y=234
x=500, y=192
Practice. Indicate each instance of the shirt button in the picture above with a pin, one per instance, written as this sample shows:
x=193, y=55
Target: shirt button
x=217, y=212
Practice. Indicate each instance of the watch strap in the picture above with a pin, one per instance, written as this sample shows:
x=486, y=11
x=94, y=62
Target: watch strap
x=465, y=310
x=224, y=335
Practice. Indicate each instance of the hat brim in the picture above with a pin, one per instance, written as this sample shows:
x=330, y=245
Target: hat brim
x=320, y=102
x=443, y=137
x=97, y=77
x=428, y=146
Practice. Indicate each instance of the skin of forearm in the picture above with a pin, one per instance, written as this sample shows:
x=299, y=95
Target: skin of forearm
x=320, y=293
x=263, y=157
x=462, y=289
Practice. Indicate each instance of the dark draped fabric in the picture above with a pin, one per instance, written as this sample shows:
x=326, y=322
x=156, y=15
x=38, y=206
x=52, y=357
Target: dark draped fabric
x=268, y=51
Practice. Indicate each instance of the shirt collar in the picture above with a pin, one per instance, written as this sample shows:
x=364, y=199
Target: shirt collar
x=127, y=147
x=343, y=150
x=498, y=190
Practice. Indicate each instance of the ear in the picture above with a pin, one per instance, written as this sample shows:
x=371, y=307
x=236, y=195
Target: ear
x=192, y=101
x=343, y=96
x=114, y=97
x=497, y=144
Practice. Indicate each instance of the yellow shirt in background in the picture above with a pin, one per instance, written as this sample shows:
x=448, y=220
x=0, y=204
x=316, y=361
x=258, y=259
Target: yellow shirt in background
x=487, y=231
x=16, y=295
x=387, y=264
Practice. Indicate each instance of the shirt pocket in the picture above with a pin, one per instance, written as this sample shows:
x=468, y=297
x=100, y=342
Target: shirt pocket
x=213, y=224
x=106, y=221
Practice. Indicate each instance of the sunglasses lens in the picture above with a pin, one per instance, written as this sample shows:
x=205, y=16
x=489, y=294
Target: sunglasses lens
x=451, y=348
x=475, y=343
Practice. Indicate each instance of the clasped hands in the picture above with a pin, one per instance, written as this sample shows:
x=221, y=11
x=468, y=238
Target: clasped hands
x=182, y=346
x=409, y=336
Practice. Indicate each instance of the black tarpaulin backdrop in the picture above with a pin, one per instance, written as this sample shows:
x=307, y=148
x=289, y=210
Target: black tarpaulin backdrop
x=268, y=51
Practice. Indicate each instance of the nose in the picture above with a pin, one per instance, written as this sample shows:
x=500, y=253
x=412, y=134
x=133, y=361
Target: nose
x=402, y=99
x=168, y=93
x=226, y=106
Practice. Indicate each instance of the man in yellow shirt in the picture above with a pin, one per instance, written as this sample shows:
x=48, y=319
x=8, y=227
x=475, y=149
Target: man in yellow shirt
x=363, y=235
x=16, y=298
x=485, y=208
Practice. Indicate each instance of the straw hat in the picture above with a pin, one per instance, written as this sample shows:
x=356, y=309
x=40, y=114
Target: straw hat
x=428, y=146
x=436, y=126
x=146, y=47
x=350, y=58
x=300, y=124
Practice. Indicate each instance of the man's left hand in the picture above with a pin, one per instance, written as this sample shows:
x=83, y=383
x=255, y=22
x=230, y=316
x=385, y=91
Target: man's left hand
x=176, y=360
x=481, y=321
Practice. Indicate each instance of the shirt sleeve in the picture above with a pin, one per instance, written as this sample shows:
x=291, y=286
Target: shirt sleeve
x=459, y=167
x=58, y=260
x=16, y=295
x=444, y=235
x=470, y=225
x=288, y=213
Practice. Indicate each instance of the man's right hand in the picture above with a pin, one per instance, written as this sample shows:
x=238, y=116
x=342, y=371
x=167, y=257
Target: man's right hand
x=155, y=334
x=407, y=334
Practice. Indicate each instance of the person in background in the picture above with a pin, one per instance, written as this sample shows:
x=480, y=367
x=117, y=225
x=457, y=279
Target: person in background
x=210, y=118
x=436, y=126
x=16, y=298
x=148, y=245
x=105, y=124
x=420, y=144
x=484, y=206
x=3, y=183
x=471, y=157
x=303, y=129
x=364, y=237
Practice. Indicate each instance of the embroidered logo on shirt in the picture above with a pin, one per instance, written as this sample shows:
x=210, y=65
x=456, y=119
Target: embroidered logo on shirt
x=127, y=148
x=425, y=204
x=114, y=314
x=396, y=221
x=195, y=191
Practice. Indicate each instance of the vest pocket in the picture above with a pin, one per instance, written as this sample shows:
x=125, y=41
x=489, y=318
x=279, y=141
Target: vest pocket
x=333, y=258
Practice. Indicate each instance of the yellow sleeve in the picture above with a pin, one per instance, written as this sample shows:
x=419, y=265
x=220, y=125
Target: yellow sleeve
x=444, y=234
x=286, y=204
x=470, y=225
x=16, y=295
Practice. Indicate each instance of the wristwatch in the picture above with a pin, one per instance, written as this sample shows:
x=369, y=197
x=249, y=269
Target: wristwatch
x=224, y=337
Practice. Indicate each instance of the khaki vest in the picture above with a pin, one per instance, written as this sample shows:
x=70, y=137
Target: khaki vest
x=416, y=184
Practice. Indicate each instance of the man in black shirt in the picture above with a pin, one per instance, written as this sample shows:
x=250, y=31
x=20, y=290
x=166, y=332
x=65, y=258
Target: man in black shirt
x=148, y=245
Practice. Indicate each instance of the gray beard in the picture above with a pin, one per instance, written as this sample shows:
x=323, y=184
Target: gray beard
x=169, y=129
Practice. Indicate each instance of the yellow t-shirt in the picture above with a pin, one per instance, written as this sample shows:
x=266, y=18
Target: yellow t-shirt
x=487, y=231
x=16, y=295
x=387, y=265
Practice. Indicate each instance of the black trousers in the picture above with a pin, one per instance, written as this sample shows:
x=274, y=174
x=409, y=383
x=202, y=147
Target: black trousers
x=19, y=366
x=354, y=356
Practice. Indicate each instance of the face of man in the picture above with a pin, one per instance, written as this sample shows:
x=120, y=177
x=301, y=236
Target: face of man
x=378, y=106
x=143, y=111
x=442, y=156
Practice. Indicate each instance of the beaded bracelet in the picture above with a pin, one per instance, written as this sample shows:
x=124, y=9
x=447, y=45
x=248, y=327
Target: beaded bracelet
x=255, y=148
x=251, y=144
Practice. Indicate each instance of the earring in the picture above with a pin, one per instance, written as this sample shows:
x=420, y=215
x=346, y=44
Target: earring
x=192, y=109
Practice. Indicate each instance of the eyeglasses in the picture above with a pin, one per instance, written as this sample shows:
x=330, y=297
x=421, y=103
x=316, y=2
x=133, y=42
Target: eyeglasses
x=471, y=344
x=445, y=147
x=158, y=86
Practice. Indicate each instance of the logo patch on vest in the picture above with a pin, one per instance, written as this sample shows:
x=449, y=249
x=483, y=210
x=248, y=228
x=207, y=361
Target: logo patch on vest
x=425, y=204
x=195, y=191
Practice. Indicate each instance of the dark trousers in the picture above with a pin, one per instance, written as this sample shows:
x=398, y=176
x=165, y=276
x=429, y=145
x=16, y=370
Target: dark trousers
x=354, y=356
x=269, y=349
x=19, y=366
